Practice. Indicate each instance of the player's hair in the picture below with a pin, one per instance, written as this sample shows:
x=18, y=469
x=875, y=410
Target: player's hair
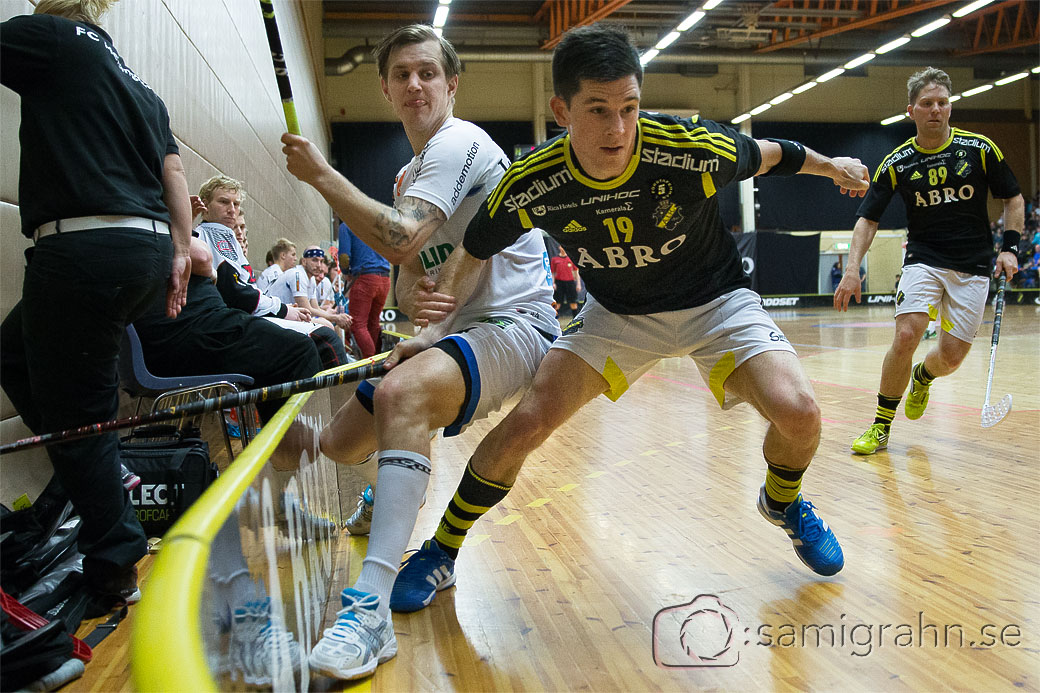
x=599, y=53
x=416, y=33
x=919, y=80
x=269, y=258
x=89, y=11
x=282, y=245
x=220, y=181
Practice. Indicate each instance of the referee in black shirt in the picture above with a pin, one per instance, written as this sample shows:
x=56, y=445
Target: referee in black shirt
x=103, y=195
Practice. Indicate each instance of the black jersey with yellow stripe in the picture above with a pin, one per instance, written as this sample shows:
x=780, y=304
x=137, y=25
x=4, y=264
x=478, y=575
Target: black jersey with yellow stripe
x=650, y=240
x=944, y=190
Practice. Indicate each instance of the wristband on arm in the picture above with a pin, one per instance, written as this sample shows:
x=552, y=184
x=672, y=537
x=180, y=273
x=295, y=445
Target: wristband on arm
x=792, y=158
x=1011, y=239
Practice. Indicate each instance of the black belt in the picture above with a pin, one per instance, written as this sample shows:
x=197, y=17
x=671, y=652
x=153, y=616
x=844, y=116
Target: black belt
x=380, y=273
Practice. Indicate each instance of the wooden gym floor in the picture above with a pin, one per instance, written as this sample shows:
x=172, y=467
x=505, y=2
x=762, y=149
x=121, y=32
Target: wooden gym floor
x=649, y=503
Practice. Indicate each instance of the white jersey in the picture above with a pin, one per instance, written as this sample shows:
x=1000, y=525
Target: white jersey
x=456, y=171
x=268, y=277
x=225, y=248
x=293, y=283
x=325, y=292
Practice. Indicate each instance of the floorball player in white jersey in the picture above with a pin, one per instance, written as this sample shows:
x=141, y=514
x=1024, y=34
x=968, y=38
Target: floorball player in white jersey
x=496, y=344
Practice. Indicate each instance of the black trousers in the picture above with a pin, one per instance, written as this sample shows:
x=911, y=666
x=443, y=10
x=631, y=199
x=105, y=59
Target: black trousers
x=227, y=340
x=59, y=348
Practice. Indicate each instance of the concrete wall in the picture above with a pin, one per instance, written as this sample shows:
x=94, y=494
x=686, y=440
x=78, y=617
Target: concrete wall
x=210, y=62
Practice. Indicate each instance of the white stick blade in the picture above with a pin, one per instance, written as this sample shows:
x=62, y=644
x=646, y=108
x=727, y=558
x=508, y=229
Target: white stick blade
x=992, y=414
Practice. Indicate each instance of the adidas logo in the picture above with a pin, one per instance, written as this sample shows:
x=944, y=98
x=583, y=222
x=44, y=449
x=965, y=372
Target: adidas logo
x=574, y=227
x=916, y=176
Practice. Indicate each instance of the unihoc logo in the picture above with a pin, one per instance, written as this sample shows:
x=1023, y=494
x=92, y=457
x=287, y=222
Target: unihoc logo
x=703, y=632
x=775, y=302
x=886, y=298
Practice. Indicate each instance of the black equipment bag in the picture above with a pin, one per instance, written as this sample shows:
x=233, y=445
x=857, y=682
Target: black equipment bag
x=175, y=469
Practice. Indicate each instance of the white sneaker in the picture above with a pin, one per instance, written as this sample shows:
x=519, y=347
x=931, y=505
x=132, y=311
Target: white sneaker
x=361, y=521
x=261, y=651
x=359, y=641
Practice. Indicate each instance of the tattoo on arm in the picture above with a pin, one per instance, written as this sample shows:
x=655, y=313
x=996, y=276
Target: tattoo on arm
x=414, y=218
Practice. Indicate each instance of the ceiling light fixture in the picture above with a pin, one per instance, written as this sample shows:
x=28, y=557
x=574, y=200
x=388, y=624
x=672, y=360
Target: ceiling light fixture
x=892, y=45
x=930, y=27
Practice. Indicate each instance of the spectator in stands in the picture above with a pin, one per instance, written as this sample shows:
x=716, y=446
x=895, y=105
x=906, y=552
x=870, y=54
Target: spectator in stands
x=219, y=200
x=567, y=282
x=326, y=297
x=219, y=339
x=299, y=285
x=104, y=198
x=241, y=234
x=369, y=281
x=283, y=258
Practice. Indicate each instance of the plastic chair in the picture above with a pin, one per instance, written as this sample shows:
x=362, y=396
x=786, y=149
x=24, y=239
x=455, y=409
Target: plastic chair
x=138, y=381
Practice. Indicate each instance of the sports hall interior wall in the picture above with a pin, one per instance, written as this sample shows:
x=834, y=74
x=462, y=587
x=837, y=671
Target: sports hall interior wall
x=211, y=64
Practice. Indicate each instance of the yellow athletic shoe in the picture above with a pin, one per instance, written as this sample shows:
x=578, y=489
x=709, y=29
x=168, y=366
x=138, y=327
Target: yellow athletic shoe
x=873, y=439
x=916, y=400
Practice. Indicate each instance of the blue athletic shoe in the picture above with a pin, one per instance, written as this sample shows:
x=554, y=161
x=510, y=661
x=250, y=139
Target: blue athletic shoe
x=813, y=540
x=423, y=574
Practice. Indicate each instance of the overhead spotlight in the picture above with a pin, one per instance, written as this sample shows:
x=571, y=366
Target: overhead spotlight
x=893, y=119
x=826, y=76
x=439, y=30
x=445, y=2
x=1036, y=70
x=712, y=4
x=760, y=109
x=667, y=40
x=892, y=45
x=740, y=118
x=1011, y=78
x=441, y=17
x=971, y=7
x=865, y=58
x=977, y=90
x=804, y=88
x=955, y=97
x=930, y=27
x=648, y=56
x=780, y=99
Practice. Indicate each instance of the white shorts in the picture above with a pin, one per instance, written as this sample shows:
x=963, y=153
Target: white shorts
x=959, y=298
x=719, y=336
x=498, y=357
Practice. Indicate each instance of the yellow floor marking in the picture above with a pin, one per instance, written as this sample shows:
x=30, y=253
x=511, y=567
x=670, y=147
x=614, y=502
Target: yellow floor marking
x=594, y=475
x=507, y=520
x=567, y=487
x=474, y=539
x=622, y=463
x=539, y=502
x=725, y=428
x=647, y=453
x=700, y=435
x=673, y=444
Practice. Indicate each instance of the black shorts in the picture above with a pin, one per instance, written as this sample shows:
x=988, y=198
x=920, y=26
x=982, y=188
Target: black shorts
x=566, y=292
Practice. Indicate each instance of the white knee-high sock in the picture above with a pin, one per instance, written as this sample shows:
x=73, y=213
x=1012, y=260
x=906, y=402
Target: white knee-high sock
x=403, y=477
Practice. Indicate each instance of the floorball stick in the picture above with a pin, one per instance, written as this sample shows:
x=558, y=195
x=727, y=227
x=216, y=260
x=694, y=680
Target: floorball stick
x=992, y=414
x=369, y=369
x=281, y=73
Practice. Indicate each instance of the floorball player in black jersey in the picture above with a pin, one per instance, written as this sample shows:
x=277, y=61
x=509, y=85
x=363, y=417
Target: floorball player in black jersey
x=632, y=197
x=942, y=174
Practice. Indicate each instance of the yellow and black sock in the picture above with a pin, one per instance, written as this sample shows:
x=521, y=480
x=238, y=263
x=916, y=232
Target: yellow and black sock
x=474, y=497
x=922, y=376
x=782, y=485
x=886, y=410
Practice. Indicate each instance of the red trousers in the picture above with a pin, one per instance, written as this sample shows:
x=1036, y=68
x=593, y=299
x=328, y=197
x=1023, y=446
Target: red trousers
x=367, y=296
